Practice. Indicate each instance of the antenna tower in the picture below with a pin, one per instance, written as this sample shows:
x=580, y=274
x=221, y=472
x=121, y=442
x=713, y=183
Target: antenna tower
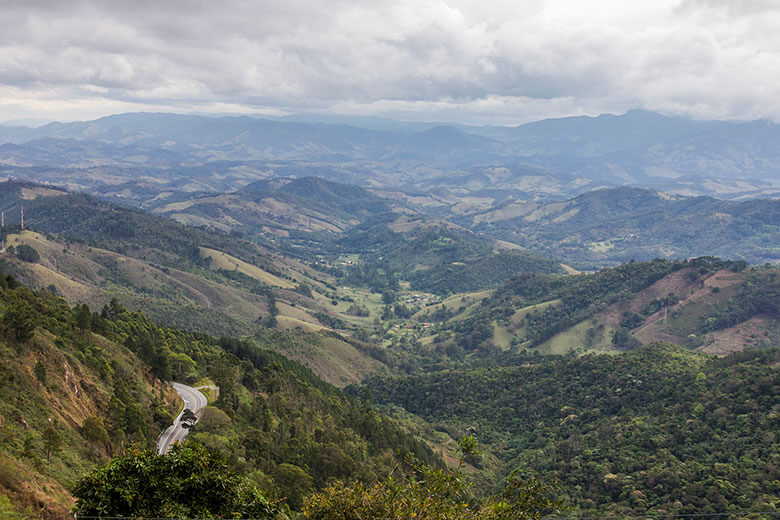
x=665, y=316
x=22, y=210
x=2, y=219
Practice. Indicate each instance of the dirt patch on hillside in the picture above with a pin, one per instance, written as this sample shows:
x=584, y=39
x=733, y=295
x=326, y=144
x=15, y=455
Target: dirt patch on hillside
x=34, y=193
x=736, y=339
x=720, y=279
x=697, y=298
x=676, y=282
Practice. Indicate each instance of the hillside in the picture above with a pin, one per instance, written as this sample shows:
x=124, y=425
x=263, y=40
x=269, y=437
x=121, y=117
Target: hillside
x=366, y=313
x=657, y=431
x=617, y=225
x=79, y=387
x=349, y=221
x=596, y=228
x=374, y=275
x=200, y=280
x=705, y=303
x=339, y=310
x=433, y=256
x=309, y=216
x=545, y=416
x=220, y=301
x=69, y=398
x=282, y=207
x=323, y=221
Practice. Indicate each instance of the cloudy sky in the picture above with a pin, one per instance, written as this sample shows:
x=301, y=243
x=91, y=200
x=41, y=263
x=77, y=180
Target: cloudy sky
x=472, y=61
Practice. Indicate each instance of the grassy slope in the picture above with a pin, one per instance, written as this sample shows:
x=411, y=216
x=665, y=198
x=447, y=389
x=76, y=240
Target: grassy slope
x=220, y=260
x=189, y=300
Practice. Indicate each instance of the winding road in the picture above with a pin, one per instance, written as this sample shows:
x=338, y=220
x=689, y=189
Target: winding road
x=195, y=401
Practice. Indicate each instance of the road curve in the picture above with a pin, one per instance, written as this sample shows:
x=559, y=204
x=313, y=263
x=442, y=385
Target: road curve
x=195, y=401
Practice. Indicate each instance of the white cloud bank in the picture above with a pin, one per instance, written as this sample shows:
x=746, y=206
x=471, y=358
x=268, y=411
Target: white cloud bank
x=482, y=61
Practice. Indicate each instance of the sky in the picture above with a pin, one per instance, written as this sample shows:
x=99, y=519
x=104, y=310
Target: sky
x=469, y=61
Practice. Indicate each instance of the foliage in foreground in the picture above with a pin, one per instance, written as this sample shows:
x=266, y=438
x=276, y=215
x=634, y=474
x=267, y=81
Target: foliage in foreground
x=187, y=482
x=432, y=494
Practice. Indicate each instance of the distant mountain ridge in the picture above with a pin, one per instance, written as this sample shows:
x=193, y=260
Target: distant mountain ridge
x=672, y=154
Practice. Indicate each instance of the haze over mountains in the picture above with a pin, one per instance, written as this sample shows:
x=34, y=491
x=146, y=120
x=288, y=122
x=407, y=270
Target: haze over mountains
x=544, y=159
x=555, y=186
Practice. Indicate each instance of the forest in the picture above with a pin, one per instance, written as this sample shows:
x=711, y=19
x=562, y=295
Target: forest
x=659, y=429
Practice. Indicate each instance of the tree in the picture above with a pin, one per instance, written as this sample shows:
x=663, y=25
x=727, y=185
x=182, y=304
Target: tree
x=432, y=494
x=188, y=418
x=225, y=376
x=40, y=372
x=29, y=446
x=83, y=316
x=93, y=430
x=213, y=420
x=388, y=297
x=20, y=319
x=187, y=482
x=182, y=365
x=294, y=483
x=112, y=310
x=623, y=339
x=52, y=442
x=27, y=253
x=304, y=289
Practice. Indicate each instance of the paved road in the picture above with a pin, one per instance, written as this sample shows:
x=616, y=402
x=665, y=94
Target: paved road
x=195, y=401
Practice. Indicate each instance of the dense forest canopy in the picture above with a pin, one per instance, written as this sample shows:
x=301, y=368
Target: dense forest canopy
x=659, y=429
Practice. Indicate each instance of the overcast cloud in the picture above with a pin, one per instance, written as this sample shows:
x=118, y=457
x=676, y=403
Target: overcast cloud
x=501, y=62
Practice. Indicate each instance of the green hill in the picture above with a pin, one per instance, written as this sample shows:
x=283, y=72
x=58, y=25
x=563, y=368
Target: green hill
x=311, y=218
x=69, y=398
x=704, y=303
x=78, y=387
x=610, y=226
x=659, y=430
x=199, y=280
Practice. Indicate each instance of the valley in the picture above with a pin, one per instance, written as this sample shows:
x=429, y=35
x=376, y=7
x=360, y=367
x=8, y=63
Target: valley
x=377, y=294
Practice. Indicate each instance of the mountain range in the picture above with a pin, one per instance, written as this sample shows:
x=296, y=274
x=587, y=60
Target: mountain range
x=672, y=154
